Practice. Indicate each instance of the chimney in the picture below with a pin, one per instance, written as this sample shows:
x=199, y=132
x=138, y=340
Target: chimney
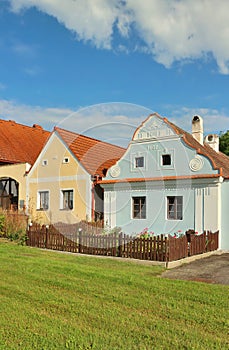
x=197, y=129
x=213, y=141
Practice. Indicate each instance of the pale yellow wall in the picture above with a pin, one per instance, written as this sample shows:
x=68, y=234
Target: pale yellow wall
x=57, y=176
x=18, y=173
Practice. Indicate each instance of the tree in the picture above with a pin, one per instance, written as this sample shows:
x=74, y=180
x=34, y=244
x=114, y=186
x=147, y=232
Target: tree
x=224, y=142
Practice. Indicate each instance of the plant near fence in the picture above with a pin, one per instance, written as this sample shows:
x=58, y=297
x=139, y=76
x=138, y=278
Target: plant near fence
x=143, y=246
x=145, y=233
x=13, y=226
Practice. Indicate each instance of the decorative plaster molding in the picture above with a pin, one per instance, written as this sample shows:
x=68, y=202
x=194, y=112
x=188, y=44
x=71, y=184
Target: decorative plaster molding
x=115, y=171
x=196, y=163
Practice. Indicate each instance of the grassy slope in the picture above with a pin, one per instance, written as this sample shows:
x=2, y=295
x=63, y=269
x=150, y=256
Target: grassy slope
x=58, y=301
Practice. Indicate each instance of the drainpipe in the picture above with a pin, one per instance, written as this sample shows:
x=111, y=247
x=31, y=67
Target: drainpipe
x=94, y=179
x=203, y=208
x=195, y=190
x=219, y=223
x=92, y=200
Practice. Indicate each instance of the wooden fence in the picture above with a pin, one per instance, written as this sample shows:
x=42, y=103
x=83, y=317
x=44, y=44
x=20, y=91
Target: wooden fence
x=156, y=248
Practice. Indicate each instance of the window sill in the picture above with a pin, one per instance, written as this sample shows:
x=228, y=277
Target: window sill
x=66, y=209
x=139, y=218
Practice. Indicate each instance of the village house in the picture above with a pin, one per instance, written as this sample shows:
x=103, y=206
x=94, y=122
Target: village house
x=169, y=181
x=62, y=184
x=20, y=146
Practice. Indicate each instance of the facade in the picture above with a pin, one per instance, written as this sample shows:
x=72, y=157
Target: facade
x=19, y=148
x=62, y=184
x=169, y=181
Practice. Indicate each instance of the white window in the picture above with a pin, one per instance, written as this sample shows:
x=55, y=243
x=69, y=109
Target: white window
x=174, y=207
x=67, y=199
x=166, y=159
x=44, y=162
x=66, y=160
x=139, y=162
x=139, y=207
x=43, y=200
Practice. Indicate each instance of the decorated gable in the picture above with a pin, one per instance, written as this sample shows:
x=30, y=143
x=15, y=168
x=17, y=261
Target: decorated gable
x=153, y=128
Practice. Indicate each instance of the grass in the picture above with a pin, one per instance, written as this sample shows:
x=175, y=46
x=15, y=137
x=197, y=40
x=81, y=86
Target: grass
x=60, y=301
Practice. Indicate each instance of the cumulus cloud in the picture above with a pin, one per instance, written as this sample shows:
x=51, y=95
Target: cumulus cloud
x=29, y=115
x=110, y=122
x=171, y=31
x=215, y=120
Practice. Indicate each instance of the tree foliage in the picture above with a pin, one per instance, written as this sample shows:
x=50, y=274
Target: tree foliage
x=224, y=143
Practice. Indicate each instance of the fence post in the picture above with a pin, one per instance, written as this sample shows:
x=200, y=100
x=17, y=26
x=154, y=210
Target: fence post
x=80, y=240
x=120, y=244
x=46, y=236
x=166, y=252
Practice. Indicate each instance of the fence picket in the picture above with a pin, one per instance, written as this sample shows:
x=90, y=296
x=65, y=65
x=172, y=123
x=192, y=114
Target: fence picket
x=159, y=248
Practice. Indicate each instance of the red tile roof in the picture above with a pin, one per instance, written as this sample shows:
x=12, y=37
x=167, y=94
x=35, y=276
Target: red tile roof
x=219, y=160
x=20, y=143
x=94, y=155
x=163, y=178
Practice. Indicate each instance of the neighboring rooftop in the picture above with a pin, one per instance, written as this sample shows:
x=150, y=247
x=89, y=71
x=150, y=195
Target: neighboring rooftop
x=20, y=143
x=96, y=156
x=219, y=160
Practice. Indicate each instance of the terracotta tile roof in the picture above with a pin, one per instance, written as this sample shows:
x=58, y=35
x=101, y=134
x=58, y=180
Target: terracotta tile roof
x=163, y=178
x=20, y=143
x=219, y=160
x=94, y=155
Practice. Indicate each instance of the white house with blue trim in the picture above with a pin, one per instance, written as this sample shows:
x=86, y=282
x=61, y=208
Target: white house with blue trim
x=169, y=180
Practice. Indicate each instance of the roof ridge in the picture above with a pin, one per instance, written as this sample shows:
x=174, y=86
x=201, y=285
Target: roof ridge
x=56, y=128
x=34, y=126
x=203, y=149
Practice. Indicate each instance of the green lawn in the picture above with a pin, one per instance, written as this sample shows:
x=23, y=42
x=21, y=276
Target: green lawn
x=50, y=300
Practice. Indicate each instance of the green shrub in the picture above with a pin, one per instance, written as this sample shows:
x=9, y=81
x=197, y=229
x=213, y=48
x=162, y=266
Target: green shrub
x=2, y=223
x=13, y=226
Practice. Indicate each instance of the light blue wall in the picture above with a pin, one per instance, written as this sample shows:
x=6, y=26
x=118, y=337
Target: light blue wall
x=152, y=149
x=156, y=208
x=225, y=215
x=181, y=157
x=156, y=192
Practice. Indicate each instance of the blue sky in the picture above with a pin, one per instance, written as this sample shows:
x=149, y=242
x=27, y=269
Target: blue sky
x=59, y=57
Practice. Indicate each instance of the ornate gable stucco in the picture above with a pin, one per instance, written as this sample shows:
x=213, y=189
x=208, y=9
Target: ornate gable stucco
x=153, y=127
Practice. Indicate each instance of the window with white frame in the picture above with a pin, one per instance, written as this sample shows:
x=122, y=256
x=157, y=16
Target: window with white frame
x=175, y=208
x=43, y=200
x=139, y=207
x=67, y=199
x=66, y=160
x=166, y=159
x=139, y=162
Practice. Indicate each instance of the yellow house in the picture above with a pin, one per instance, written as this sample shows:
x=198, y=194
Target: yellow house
x=20, y=145
x=62, y=184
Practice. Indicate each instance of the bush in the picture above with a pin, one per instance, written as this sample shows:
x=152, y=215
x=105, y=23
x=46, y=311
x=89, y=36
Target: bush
x=13, y=226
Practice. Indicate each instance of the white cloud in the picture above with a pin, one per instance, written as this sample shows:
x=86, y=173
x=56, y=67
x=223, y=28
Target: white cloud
x=110, y=122
x=29, y=115
x=89, y=20
x=23, y=49
x=169, y=30
x=214, y=120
